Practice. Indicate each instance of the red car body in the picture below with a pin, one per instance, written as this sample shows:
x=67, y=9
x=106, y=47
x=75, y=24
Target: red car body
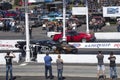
x=73, y=36
x=10, y=14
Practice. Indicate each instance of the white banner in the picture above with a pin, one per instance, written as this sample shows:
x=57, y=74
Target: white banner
x=8, y=44
x=112, y=11
x=106, y=45
x=78, y=10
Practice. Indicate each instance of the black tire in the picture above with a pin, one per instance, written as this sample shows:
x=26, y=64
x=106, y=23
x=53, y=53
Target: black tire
x=62, y=51
x=84, y=40
x=74, y=51
x=60, y=40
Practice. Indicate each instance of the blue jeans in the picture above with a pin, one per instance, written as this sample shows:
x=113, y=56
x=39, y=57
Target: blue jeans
x=113, y=72
x=60, y=71
x=9, y=68
x=48, y=68
x=12, y=28
x=118, y=28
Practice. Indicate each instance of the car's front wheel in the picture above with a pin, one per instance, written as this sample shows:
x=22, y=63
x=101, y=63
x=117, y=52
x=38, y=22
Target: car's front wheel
x=84, y=40
x=60, y=40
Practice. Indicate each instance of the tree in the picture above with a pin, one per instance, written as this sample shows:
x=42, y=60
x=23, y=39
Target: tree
x=16, y=2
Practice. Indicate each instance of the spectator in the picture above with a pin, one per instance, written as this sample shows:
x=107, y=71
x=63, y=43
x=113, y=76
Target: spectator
x=91, y=26
x=100, y=66
x=22, y=30
x=44, y=26
x=95, y=27
x=74, y=25
x=48, y=66
x=12, y=24
x=8, y=59
x=113, y=71
x=59, y=62
x=7, y=22
x=1, y=25
x=30, y=32
x=118, y=27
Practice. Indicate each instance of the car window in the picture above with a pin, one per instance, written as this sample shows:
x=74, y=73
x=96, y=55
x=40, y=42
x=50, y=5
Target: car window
x=33, y=19
x=72, y=33
x=68, y=34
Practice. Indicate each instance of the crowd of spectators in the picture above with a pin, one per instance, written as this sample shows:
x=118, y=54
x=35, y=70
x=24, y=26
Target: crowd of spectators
x=8, y=24
x=55, y=25
x=96, y=25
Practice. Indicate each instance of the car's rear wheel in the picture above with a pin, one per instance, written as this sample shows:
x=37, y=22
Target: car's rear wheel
x=74, y=51
x=62, y=51
x=84, y=40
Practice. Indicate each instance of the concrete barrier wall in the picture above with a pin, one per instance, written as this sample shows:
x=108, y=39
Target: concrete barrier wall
x=81, y=58
x=68, y=58
x=2, y=59
x=107, y=35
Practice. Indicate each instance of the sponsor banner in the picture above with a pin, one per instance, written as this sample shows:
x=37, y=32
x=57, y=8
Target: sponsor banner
x=97, y=45
x=78, y=10
x=112, y=11
x=8, y=44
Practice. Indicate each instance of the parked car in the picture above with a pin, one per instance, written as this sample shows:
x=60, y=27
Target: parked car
x=52, y=33
x=73, y=36
x=35, y=22
x=5, y=6
x=51, y=16
x=11, y=14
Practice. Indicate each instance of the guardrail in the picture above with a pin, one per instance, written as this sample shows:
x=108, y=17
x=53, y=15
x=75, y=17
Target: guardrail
x=107, y=35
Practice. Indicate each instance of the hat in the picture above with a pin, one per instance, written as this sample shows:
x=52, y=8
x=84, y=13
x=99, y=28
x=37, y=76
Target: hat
x=118, y=19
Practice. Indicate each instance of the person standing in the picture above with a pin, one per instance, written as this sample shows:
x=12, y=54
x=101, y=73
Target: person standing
x=30, y=32
x=118, y=27
x=59, y=63
x=12, y=24
x=8, y=59
x=48, y=66
x=100, y=66
x=113, y=71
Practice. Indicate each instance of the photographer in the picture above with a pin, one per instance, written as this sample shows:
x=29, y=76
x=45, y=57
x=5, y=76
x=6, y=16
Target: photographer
x=9, y=56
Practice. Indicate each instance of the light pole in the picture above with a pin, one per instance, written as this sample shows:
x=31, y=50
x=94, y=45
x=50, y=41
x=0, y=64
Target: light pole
x=27, y=33
x=87, y=18
x=64, y=16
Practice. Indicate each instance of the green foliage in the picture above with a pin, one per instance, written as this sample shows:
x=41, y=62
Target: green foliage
x=17, y=2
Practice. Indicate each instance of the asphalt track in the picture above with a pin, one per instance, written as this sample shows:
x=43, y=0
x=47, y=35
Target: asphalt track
x=35, y=71
x=39, y=34
x=55, y=78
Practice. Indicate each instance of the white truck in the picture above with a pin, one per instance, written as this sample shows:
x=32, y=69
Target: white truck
x=52, y=33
